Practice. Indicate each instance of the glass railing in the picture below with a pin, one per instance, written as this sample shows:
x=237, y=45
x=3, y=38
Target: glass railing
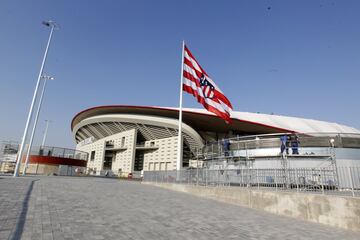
x=59, y=152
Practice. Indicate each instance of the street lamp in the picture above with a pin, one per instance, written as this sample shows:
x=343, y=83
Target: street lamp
x=45, y=132
x=53, y=26
x=45, y=78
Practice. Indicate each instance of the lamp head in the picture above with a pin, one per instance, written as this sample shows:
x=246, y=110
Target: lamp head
x=47, y=77
x=51, y=23
x=46, y=23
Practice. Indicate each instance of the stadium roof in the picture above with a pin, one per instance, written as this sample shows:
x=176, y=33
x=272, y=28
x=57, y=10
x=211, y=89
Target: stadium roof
x=202, y=120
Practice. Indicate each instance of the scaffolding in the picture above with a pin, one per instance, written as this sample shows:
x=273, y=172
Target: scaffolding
x=264, y=152
x=8, y=154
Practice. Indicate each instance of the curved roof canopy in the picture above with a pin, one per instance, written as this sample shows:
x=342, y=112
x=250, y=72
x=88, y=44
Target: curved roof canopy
x=242, y=122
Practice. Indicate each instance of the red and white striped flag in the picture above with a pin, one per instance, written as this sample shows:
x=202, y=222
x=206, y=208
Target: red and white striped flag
x=198, y=83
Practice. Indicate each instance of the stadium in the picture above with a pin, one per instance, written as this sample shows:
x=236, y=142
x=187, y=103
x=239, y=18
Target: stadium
x=123, y=140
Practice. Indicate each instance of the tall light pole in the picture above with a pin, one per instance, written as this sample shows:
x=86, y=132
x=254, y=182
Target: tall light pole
x=45, y=132
x=52, y=25
x=46, y=78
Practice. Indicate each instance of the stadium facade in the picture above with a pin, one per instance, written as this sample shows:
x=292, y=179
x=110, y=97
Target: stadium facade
x=123, y=139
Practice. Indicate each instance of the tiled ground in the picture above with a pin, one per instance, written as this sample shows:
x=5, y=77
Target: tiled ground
x=98, y=208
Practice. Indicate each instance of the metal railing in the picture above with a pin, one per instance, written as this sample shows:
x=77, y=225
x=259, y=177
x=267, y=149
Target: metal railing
x=244, y=146
x=332, y=180
x=58, y=152
x=8, y=148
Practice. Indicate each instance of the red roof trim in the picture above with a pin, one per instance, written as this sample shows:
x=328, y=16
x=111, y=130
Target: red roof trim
x=175, y=110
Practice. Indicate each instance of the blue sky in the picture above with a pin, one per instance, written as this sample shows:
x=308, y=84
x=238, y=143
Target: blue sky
x=296, y=58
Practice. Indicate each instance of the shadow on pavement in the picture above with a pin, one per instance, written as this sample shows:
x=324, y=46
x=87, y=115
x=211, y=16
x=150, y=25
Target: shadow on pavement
x=22, y=216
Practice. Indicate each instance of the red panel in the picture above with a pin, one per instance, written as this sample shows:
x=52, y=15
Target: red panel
x=56, y=161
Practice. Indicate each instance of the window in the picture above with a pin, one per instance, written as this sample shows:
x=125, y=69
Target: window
x=109, y=144
x=122, y=141
x=92, y=156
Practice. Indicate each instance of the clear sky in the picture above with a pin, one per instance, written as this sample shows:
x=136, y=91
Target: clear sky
x=295, y=58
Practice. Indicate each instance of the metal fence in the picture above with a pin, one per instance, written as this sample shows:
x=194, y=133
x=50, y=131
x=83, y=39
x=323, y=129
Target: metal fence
x=332, y=180
x=9, y=150
x=309, y=143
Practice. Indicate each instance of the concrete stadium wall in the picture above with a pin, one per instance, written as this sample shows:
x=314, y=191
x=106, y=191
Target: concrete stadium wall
x=163, y=158
x=124, y=160
x=337, y=211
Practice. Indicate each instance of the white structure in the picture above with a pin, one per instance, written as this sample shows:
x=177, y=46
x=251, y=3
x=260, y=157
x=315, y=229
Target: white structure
x=127, y=139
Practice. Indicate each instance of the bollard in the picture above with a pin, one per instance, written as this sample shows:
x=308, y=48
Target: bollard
x=276, y=186
x=240, y=178
x=321, y=180
x=351, y=182
x=188, y=177
x=197, y=175
x=296, y=180
x=206, y=176
x=218, y=181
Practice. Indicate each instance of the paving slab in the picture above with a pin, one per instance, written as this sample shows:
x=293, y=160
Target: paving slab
x=100, y=208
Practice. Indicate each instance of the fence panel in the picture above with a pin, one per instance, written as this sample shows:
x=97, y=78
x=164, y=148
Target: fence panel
x=332, y=180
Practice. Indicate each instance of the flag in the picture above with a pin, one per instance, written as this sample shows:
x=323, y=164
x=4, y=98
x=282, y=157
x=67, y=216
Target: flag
x=198, y=83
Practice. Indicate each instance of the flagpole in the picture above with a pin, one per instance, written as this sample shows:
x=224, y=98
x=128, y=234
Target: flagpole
x=180, y=140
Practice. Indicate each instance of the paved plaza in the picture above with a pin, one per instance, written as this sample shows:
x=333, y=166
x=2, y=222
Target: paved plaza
x=99, y=208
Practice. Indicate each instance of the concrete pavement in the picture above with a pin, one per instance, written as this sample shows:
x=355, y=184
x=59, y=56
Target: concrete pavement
x=98, y=208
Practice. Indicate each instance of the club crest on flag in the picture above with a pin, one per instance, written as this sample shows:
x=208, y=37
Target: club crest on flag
x=206, y=87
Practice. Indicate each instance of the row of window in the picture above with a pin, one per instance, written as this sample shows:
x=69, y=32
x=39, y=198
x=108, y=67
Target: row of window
x=162, y=166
